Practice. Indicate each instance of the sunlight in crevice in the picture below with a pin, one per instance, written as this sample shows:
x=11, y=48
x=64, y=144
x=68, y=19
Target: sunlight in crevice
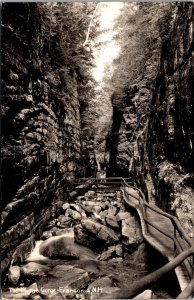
x=109, y=49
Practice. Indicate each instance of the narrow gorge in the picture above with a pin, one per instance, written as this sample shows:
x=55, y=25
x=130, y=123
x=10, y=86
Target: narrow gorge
x=95, y=97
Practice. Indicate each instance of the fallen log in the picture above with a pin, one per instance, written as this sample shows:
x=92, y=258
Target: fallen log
x=145, y=282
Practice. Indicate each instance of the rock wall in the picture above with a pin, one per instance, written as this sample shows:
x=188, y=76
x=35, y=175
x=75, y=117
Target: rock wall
x=130, y=113
x=40, y=131
x=152, y=133
x=165, y=148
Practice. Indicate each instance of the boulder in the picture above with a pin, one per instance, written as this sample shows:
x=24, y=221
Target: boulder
x=91, y=193
x=111, y=195
x=147, y=294
x=105, y=281
x=114, y=203
x=34, y=270
x=141, y=254
x=116, y=259
x=60, y=217
x=112, y=210
x=100, y=198
x=73, y=214
x=118, y=194
x=111, y=221
x=58, y=248
x=73, y=194
x=63, y=247
x=78, y=208
x=106, y=254
x=14, y=274
x=119, y=250
x=83, y=238
x=89, y=203
x=122, y=215
x=64, y=222
x=64, y=278
x=35, y=296
x=87, y=209
x=97, y=209
x=101, y=231
x=107, y=204
x=113, y=251
x=65, y=206
x=131, y=232
x=103, y=214
x=96, y=218
x=120, y=205
x=80, y=198
x=51, y=223
x=46, y=234
x=101, y=204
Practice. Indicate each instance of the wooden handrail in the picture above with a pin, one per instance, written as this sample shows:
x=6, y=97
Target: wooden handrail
x=159, y=229
x=173, y=220
x=176, y=224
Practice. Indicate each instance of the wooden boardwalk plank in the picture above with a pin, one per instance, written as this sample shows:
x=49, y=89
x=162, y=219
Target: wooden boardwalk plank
x=158, y=240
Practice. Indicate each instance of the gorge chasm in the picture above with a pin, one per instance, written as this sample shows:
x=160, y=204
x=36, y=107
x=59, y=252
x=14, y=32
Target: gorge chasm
x=50, y=121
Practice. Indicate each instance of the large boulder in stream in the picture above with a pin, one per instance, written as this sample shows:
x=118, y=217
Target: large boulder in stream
x=102, y=232
x=63, y=247
x=83, y=237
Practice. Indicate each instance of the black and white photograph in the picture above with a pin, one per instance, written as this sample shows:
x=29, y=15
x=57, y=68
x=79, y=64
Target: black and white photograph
x=97, y=157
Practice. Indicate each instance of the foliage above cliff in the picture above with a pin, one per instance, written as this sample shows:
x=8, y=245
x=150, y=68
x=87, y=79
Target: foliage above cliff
x=64, y=27
x=141, y=30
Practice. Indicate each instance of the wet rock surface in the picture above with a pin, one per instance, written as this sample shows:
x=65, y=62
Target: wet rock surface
x=63, y=247
x=88, y=260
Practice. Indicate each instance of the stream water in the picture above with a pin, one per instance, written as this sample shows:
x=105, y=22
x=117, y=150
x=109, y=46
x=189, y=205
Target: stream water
x=59, y=268
x=50, y=276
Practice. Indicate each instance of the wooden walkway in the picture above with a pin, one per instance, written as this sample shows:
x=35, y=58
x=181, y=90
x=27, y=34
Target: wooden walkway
x=160, y=232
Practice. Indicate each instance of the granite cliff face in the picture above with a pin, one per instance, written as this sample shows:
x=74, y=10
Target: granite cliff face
x=170, y=132
x=157, y=152
x=41, y=145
